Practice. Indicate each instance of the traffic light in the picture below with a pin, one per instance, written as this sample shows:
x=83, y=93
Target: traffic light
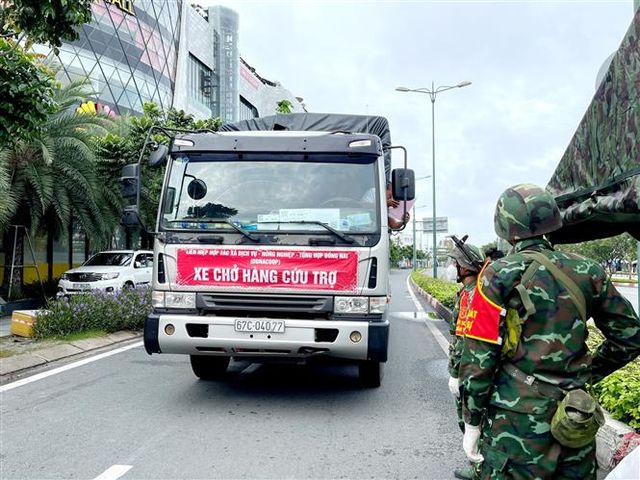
x=129, y=179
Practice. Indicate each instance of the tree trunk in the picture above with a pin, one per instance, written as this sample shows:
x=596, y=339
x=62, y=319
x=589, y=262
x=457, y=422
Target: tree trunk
x=17, y=280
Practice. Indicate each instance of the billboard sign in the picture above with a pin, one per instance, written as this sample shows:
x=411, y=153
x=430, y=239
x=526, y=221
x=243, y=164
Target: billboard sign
x=442, y=225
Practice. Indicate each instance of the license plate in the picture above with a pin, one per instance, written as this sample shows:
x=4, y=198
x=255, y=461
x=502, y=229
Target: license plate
x=81, y=286
x=260, y=326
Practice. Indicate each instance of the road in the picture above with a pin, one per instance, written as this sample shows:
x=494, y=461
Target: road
x=132, y=416
x=631, y=294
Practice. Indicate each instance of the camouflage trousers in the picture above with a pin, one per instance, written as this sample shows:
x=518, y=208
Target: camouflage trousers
x=518, y=446
x=459, y=412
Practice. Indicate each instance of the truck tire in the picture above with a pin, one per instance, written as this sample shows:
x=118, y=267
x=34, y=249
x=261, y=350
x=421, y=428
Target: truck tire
x=206, y=367
x=370, y=373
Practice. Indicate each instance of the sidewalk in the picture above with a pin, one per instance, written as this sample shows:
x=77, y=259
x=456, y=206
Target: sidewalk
x=18, y=354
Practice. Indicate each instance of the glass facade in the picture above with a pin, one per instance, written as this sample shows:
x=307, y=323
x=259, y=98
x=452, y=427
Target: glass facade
x=247, y=111
x=225, y=24
x=199, y=79
x=129, y=55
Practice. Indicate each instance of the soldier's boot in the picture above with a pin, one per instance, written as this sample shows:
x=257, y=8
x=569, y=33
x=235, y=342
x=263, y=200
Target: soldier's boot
x=466, y=473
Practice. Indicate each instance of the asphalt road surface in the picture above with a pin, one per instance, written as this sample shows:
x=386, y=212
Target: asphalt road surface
x=133, y=416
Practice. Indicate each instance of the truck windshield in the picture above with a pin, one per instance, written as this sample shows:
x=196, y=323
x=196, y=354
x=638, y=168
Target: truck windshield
x=205, y=192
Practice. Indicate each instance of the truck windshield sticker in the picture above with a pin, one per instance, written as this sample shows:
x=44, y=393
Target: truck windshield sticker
x=332, y=270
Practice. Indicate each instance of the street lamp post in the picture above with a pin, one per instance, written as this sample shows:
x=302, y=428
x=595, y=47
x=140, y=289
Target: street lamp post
x=414, y=224
x=432, y=95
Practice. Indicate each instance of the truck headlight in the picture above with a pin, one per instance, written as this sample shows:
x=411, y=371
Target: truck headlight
x=173, y=299
x=351, y=305
x=378, y=304
x=109, y=276
x=157, y=299
x=65, y=276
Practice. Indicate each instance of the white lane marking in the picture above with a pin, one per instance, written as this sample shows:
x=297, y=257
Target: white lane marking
x=64, y=368
x=113, y=472
x=442, y=341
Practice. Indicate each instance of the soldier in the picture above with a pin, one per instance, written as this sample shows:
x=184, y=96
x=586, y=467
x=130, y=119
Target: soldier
x=468, y=261
x=525, y=360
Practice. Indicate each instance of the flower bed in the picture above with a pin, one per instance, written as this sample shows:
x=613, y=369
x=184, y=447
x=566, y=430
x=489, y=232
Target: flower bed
x=619, y=393
x=123, y=310
x=441, y=290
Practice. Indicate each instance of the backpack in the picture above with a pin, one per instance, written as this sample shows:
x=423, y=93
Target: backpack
x=522, y=299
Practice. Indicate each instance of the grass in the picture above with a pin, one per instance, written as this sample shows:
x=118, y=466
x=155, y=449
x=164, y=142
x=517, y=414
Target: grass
x=6, y=353
x=72, y=337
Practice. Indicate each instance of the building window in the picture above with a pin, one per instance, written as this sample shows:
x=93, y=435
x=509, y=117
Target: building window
x=200, y=81
x=247, y=111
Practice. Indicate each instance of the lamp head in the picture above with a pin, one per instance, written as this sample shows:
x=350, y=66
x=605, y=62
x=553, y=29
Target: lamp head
x=402, y=89
x=463, y=84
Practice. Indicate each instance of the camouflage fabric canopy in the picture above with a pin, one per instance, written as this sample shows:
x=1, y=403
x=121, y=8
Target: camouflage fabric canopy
x=597, y=182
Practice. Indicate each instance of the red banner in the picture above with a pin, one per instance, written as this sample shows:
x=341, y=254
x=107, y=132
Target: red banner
x=287, y=269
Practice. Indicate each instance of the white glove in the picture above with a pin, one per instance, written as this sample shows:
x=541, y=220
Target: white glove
x=470, y=443
x=454, y=387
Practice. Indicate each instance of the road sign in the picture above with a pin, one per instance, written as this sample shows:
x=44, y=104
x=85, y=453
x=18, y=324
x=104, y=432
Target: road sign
x=442, y=225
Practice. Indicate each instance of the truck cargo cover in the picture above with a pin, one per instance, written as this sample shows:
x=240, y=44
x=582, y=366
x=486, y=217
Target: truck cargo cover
x=321, y=122
x=597, y=182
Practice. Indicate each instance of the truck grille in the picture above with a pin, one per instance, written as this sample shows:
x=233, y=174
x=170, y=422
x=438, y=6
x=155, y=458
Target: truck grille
x=282, y=306
x=84, y=277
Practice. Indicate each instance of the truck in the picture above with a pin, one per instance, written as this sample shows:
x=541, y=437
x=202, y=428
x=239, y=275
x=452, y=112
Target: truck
x=272, y=243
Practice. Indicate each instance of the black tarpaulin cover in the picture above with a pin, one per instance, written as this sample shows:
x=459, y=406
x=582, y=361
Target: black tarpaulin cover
x=597, y=182
x=321, y=122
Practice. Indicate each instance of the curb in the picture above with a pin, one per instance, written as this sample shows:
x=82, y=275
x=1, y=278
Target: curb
x=443, y=311
x=22, y=362
x=609, y=436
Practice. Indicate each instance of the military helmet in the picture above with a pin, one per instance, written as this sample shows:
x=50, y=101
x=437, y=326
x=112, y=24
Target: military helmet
x=473, y=264
x=525, y=211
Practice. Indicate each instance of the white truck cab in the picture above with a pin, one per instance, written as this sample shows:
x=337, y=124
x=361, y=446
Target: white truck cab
x=273, y=245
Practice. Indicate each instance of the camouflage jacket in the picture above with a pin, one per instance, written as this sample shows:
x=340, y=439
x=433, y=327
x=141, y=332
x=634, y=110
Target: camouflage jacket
x=465, y=294
x=552, y=346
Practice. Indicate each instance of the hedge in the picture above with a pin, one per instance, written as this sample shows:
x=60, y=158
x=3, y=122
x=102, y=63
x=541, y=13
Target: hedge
x=441, y=290
x=123, y=310
x=618, y=393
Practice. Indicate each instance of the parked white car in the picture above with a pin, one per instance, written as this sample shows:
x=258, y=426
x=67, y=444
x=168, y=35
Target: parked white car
x=109, y=271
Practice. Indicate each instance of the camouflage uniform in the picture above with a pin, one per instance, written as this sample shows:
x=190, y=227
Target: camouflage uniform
x=516, y=438
x=463, y=300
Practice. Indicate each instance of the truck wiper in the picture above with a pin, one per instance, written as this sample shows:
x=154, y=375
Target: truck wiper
x=338, y=234
x=230, y=223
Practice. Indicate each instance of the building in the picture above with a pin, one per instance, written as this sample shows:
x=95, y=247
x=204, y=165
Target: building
x=168, y=52
x=171, y=53
x=128, y=51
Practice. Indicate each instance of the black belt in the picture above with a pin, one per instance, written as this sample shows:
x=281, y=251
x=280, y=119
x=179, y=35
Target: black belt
x=544, y=388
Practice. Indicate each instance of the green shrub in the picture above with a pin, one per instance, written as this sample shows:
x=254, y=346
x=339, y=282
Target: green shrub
x=441, y=290
x=619, y=393
x=123, y=310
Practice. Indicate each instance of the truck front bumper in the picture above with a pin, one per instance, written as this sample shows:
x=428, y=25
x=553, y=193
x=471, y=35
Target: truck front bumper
x=215, y=335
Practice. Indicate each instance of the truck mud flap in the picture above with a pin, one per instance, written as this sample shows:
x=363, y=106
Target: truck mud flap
x=378, y=342
x=151, y=343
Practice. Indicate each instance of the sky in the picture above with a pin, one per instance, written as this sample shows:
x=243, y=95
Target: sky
x=533, y=68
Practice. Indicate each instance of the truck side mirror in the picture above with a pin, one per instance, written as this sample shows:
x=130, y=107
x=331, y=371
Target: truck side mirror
x=403, y=184
x=169, y=198
x=158, y=155
x=129, y=180
x=130, y=216
x=197, y=189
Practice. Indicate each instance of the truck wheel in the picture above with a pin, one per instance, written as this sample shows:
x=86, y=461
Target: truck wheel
x=207, y=367
x=370, y=373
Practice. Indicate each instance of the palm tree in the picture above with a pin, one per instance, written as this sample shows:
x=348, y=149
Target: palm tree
x=54, y=179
